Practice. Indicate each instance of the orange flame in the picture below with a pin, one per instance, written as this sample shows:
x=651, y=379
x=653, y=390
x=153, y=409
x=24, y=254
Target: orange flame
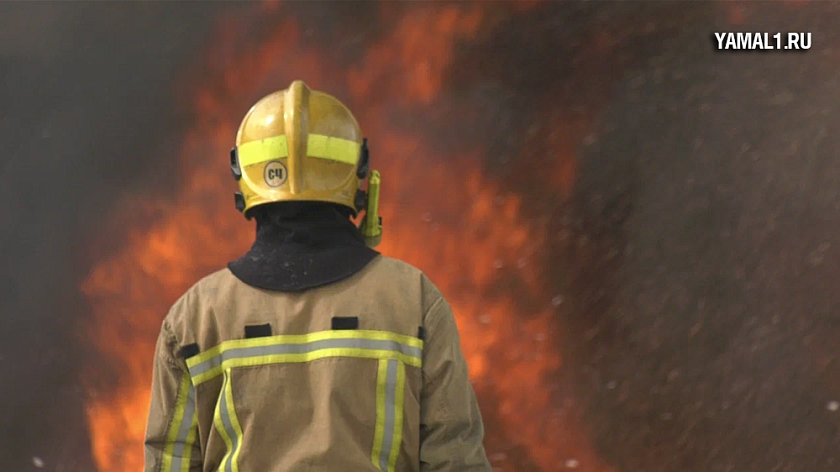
x=442, y=215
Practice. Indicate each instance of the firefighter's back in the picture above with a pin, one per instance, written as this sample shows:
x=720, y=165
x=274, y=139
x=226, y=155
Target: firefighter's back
x=311, y=352
x=325, y=379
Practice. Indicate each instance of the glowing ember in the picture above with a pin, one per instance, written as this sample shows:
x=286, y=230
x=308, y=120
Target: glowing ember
x=442, y=215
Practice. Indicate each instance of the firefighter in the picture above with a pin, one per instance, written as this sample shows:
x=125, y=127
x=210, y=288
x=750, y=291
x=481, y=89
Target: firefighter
x=312, y=352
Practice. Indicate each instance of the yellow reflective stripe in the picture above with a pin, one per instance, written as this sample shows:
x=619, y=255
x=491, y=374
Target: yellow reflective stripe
x=191, y=437
x=390, y=397
x=257, y=152
x=318, y=145
x=220, y=426
x=381, y=382
x=333, y=149
x=307, y=357
x=398, y=418
x=234, y=421
x=175, y=426
x=303, y=339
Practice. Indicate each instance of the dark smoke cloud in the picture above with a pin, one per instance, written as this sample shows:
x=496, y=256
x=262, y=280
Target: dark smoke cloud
x=705, y=327
x=86, y=114
x=698, y=255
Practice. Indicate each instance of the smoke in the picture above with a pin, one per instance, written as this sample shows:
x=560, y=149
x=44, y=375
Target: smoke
x=86, y=114
x=705, y=321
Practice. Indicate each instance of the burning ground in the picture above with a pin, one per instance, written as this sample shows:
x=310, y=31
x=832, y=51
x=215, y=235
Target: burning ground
x=593, y=189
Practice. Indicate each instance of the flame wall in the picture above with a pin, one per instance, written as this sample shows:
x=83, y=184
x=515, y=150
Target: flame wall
x=475, y=239
x=446, y=213
x=612, y=243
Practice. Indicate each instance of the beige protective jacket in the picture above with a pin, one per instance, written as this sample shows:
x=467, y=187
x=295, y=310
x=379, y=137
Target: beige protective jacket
x=364, y=374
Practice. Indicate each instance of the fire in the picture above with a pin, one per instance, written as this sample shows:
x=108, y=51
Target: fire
x=420, y=73
x=441, y=214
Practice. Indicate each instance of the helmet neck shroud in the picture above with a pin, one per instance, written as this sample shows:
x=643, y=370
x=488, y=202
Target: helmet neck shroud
x=302, y=245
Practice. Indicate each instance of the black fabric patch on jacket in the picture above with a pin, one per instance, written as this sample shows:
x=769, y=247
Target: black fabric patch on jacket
x=349, y=322
x=190, y=350
x=258, y=331
x=302, y=245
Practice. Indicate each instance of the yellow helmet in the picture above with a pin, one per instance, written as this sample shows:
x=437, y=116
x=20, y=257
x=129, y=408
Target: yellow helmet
x=299, y=144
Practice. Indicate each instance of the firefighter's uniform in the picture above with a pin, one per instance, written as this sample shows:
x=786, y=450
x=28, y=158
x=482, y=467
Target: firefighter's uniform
x=358, y=370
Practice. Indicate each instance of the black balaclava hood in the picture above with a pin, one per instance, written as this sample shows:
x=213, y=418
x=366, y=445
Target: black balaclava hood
x=302, y=245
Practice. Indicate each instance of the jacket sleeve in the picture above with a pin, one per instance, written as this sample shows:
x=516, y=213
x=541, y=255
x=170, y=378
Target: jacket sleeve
x=451, y=430
x=171, y=443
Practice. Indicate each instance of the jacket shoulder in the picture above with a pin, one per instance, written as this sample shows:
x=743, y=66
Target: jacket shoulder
x=396, y=267
x=397, y=276
x=199, y=295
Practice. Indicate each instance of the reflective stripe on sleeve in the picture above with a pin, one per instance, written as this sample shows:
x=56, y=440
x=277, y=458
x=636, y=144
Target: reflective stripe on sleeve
x=182, y=433
x=191, y=439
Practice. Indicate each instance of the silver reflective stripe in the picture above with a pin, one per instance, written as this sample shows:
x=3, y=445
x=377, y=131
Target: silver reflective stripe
x=390, y=400
x=184, y=430
x=240, y=353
